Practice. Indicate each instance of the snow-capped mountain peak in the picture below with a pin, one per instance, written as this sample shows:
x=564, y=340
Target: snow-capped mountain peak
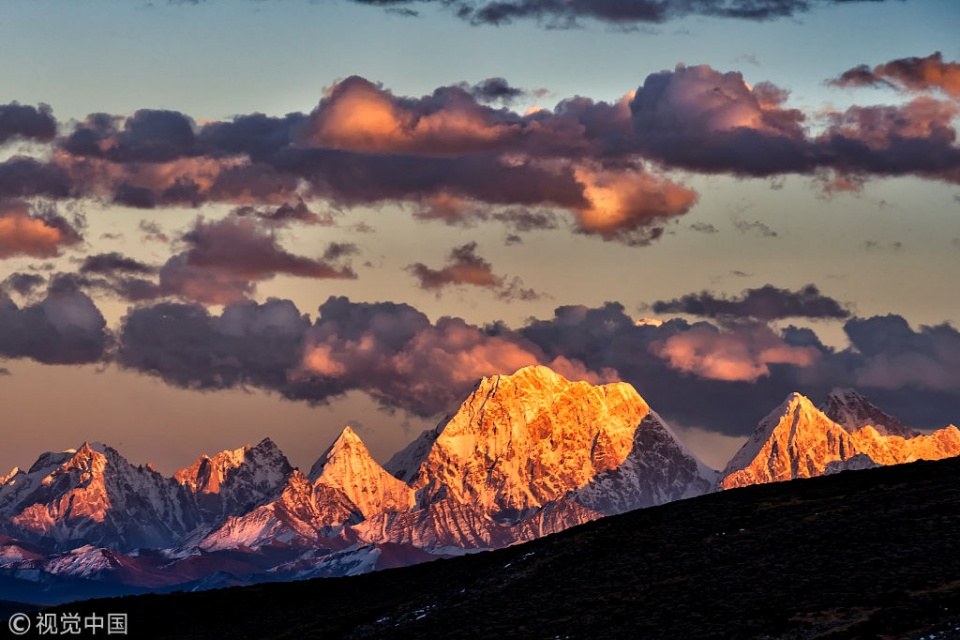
x=795, y=440
x=853, y=411
x=348, y=467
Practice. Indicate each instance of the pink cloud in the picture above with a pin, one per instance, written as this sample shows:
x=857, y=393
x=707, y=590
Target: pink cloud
x=741, y=353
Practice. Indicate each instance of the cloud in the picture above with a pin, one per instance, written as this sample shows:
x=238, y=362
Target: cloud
x=629, y=206
x=625, y=12
x=723, y=378
x=23, y=284
x=286, y=213
x=113, y=263
x=22, y=177
x=912, y=75
x=63, y=328
x=152, y=231
x=462, y=156
x=700, y=119
x=358, y=115
x=765, y=303
x=390, y=351
x=146, y=136
x=874, y=245
x=896, y=356
x=396, y=355
x=242, y=247
x=465, y=267
x=26, y=122
x=756, y=227
x=250, y=343
x=219, y=262
x=38, y=232
x=735, y=354
x=496, y=89
x=704, y=227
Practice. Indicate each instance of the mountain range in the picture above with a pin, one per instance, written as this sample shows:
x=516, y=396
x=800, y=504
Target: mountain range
x=524, y=456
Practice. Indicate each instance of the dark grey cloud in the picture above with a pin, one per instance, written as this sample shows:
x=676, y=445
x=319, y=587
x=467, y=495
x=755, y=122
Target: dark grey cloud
x=764, y=303
x=250, y=343
x=337, y=250
x=22, y=177
x=114, y=263
x=286, y=213
x=704, y=227
x=26, y=122
x=63, y=328
x=146, y=136
x=625, y=12
x=224, y=259
x=756, y=227
x=496, y=89
x=875, y=245
x=22, y=283
x=152, y=231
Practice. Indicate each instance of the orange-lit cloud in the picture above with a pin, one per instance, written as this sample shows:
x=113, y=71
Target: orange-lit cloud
x=629, y=205
x=31, y=233
x=465, y=267
x=730, y=355
x=907, y=74
x=357, y=115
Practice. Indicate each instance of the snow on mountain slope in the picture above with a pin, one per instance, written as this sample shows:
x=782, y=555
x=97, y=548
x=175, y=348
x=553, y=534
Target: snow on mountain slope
x=234, y=482
x=348, y=466
x=519, y=442
x=405, y=464
x=444, y=526
x=852, y=411
x=658, y=469
x=304, y=514
x=795, y=440
x=855, y=463
x=94, y=496
x=943, y=443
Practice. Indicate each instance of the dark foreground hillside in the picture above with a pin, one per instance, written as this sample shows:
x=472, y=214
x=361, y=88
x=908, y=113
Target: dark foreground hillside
x=866, y=554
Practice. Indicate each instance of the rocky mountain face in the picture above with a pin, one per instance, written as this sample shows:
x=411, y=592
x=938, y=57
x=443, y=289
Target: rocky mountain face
x=797, y=440
x=234, y=482
x=94, y=496
x=852, y=411
x=524, y=456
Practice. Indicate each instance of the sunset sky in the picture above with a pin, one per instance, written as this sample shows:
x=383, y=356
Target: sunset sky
x=223, y=220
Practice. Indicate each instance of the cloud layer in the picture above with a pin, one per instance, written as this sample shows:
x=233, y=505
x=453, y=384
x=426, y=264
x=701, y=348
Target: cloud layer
x=461, y=155
x=764, y=303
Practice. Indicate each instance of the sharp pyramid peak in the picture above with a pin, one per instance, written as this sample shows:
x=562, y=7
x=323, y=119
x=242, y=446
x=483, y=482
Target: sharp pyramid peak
x=348, y=440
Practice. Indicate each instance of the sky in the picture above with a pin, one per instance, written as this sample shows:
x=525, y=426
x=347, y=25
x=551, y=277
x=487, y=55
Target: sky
x=224, y=221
